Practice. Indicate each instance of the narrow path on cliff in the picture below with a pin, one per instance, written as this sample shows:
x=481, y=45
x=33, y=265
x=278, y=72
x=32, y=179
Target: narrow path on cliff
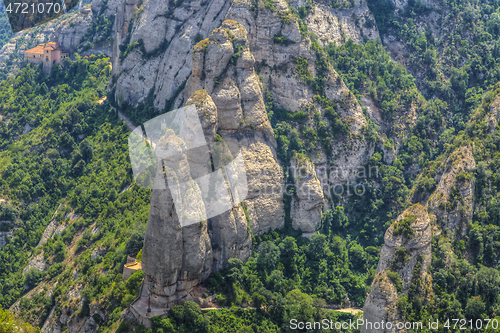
x=127, y=121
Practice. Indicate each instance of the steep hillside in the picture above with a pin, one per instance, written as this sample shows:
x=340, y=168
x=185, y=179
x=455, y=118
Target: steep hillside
x=55, y=142
x=451, y=47
x=457, y=214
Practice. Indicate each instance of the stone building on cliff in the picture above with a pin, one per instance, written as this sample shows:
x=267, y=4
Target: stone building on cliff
x=47, y=53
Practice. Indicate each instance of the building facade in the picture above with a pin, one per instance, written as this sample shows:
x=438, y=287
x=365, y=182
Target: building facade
x=47, y=53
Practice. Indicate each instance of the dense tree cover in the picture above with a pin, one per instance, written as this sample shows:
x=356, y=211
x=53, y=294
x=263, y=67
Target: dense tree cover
x=285, y=278
x=10, y=324
x=465, y=275
x=369, y=72
x=100, y=30
x=5, y=30
x=368, y=69
x=76, y=155
x=454, y=88
x=383, y=197
x=453, y=52
x=328, y=267
x=190, y=318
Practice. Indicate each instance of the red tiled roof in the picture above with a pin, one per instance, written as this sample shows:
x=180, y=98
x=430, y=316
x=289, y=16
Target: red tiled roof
x=40, y=47
x=51, y=45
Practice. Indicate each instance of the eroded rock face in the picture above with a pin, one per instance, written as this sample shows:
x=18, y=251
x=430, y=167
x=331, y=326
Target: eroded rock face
x=70, y=32
x=175, y=258
x=402, y=4
x=37, y=262
x=453, y=200
x=168, y=34
x=418, y=244
x=380, y=303
x=172, y=269
x=449, y=209
x=228, y=95
x=243, y=130
x=338, y=25
x=400, y=255
x=306, y=206
x=171, y=60
x=235, y=91
x=277, y=67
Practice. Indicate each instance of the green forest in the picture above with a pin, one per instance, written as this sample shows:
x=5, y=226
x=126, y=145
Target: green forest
x=72, y=161
x=5, y=30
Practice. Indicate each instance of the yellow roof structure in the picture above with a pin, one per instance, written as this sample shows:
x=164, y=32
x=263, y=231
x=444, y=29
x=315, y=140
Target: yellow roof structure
x=134, y=265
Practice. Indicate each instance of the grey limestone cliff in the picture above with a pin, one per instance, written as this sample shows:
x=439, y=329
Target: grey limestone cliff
x=218, y=75
x=400, y=255
x=452, y=202
x=175, y=258
x=308, y=203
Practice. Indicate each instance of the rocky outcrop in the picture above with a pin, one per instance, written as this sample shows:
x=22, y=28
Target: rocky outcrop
x=307, y=204
x=492, y=116
x=168, y=34
x=402, y=4
x=449, y=209
x=175, y=258
x=338, y=25
x=398, y=259
x=228, y=94
x=161, y=65
x=67, y=317
x=453, y=200
x=380, y=303
x=418, y=244
x=173, y=270
x=241, y=118
x=48, y=232
x=38, y=263
x=70, y=31
x=229, y=231
x=277, y=66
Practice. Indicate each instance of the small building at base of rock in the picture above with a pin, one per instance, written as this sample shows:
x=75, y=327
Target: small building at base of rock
x=131, y=268
x=48, y=53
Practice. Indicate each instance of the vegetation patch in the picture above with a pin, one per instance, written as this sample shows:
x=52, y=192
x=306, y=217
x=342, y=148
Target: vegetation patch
x=403, y=227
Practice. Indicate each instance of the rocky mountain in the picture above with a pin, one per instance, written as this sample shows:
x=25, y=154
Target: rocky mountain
x=223, y=82
x=406, y=243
